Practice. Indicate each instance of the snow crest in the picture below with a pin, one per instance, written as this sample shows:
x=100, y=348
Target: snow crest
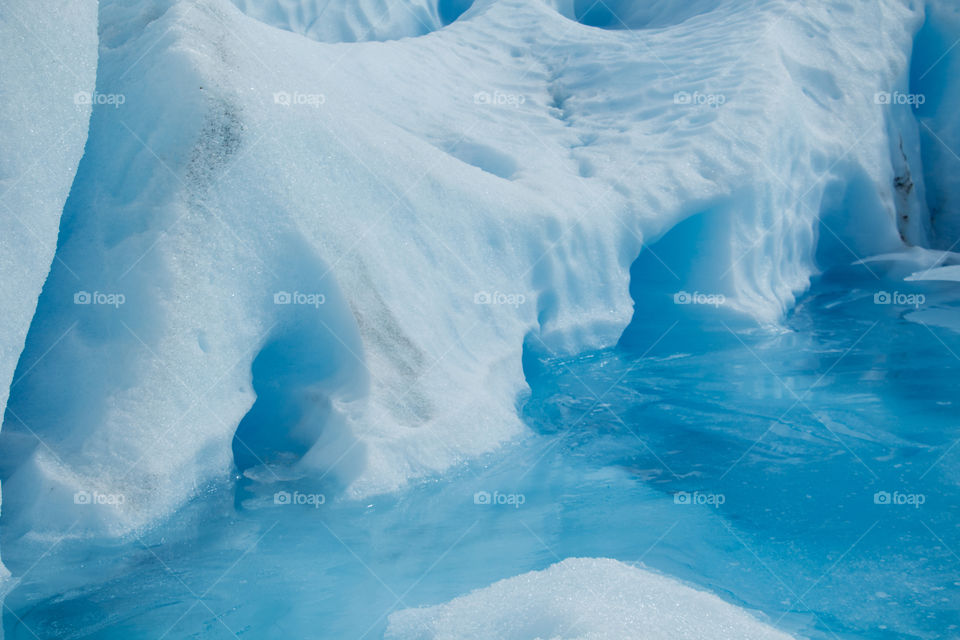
x=583, y=599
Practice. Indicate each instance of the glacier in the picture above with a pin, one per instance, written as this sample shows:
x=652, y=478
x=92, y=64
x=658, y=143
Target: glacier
x=319, y=244
x=44, y=114
x=398, y=375
x=43, y=120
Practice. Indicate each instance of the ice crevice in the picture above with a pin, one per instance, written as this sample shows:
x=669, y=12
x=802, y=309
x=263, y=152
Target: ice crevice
x=358, y=21
x=330, y=266
x=931, y=91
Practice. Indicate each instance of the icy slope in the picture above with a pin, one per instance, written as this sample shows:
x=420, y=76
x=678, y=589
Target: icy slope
x=585, y=599
x=45, y=101
x=323, y=260
x=934, y=69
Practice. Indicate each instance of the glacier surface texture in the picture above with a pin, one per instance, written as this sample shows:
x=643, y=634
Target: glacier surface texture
x=480, y=319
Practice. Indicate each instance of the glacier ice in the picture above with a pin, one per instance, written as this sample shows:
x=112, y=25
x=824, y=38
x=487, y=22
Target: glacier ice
x=44, y=113
x=318, y=245
x=584, y=598
x=355, y=21
x=935, y=65
x=45, y=104
x=341, y=247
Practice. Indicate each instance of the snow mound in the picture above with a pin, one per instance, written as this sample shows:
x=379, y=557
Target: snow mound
x=584, y=599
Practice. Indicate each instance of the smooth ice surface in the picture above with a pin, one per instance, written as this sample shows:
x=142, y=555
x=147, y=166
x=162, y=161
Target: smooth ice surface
x=330, y=255
x=585, y=598
x=49, y=54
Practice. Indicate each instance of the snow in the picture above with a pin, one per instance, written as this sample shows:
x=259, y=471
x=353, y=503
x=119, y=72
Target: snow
x=44, y=115
x=948, y=273
x=446, y=197
x=583, y=598
x=43, y=127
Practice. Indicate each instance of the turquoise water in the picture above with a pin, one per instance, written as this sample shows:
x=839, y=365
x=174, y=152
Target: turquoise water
x=752, y=462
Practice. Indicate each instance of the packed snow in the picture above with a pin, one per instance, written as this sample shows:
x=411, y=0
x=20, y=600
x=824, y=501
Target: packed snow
x=49, y=52
x=583, y=599
x=48, y=85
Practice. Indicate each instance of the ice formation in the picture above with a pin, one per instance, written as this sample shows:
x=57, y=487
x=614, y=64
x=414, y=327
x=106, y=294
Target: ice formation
x=49, y=51
x=47, y=95
x=355, y=21
x=323, y=258
x=583, y=599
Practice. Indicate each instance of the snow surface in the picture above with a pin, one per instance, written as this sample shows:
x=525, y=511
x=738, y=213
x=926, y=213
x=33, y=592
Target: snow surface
x=429, y=203
x=948, y=273
x=43, y=127
x=586, y=599
x=49, y=54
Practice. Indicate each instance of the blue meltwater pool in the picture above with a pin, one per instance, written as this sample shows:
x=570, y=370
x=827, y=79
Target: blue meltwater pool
x=807, y=474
